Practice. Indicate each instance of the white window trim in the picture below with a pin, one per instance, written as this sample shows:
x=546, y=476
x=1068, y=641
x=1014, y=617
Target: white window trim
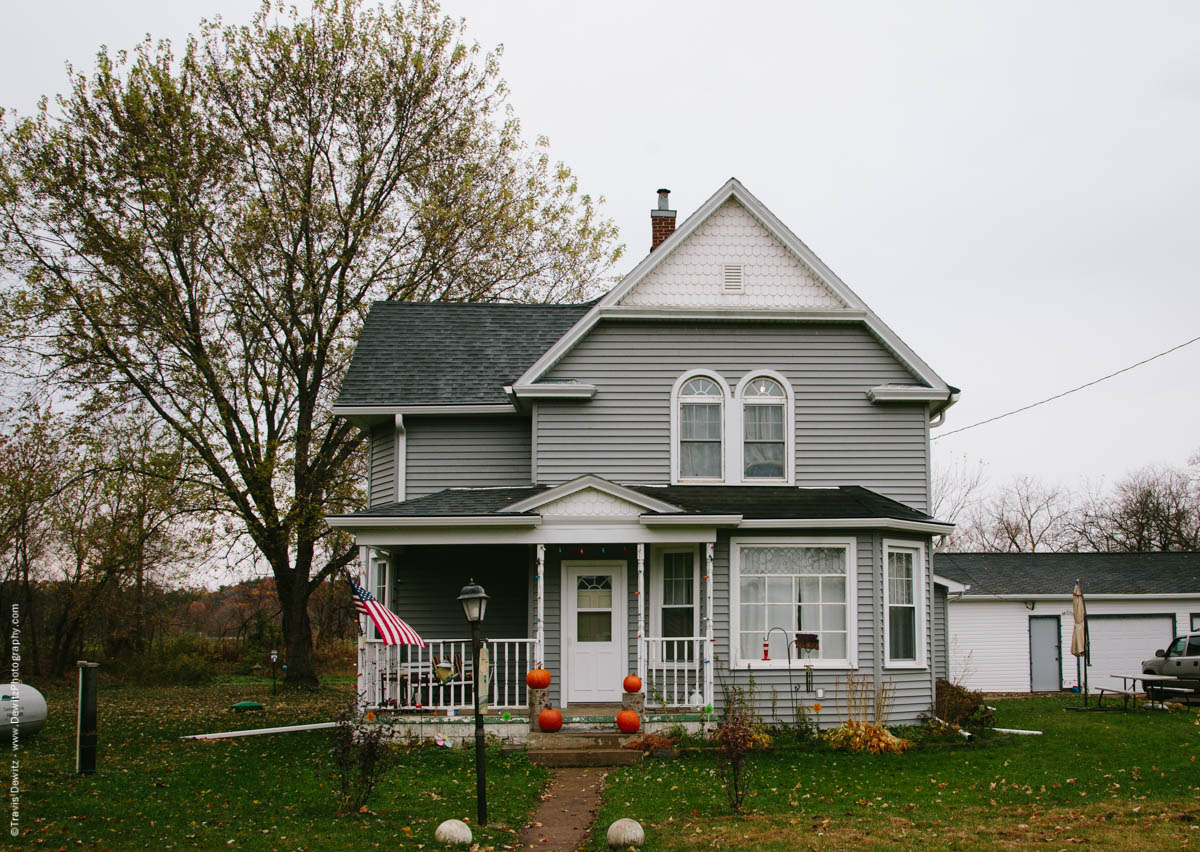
x=919, y=594
x=736, y=450
x=735, y=611
x=377, y=566
x=726, y=408
x=656, y=585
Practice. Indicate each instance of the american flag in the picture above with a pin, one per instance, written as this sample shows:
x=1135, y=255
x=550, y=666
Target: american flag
x=392, y=629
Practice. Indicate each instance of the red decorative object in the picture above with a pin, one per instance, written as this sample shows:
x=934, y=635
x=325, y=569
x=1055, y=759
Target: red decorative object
x=538, y=679
x=550, y=720
x=633, y=683
x=628, y=722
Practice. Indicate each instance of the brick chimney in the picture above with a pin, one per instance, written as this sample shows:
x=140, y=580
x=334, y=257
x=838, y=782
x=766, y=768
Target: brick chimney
x=662, y=221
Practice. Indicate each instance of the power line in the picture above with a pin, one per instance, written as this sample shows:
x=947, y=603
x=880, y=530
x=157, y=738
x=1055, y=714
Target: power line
x=1067, y=392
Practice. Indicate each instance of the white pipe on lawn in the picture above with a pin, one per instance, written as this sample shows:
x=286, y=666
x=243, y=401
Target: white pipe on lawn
x=1017, y=731
x=254, y=732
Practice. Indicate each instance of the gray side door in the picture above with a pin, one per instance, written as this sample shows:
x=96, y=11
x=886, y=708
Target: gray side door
x=1045, y=653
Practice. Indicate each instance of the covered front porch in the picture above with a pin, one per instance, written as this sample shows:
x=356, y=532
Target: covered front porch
x=589, y=611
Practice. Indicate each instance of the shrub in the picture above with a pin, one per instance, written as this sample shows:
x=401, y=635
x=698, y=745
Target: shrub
x=739, y=733
x=360, y=755
x=857, y=735
x=963, y=707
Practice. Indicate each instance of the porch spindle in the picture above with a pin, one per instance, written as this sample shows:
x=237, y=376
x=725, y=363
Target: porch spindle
x=539, y=635
x=641, y=619
x=709, y=647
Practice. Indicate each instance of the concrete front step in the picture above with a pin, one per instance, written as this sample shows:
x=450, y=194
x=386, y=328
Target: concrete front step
x=567, y=739
x=585, y=757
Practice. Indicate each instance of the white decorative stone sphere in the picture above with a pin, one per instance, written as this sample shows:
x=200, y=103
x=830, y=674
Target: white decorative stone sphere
x=453, y=832
x=625, y=833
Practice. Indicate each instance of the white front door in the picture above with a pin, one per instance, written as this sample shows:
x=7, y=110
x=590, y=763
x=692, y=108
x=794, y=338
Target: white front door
x=594, y=630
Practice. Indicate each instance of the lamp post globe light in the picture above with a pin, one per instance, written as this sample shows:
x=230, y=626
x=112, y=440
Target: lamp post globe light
x=474, y=603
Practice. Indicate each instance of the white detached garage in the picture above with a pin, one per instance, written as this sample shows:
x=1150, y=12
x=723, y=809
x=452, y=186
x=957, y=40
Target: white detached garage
x=1009, y=614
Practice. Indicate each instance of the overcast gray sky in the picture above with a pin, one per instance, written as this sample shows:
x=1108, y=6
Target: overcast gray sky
x=1014, y=187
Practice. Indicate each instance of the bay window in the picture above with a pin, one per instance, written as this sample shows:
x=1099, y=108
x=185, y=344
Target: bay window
x=799, y=585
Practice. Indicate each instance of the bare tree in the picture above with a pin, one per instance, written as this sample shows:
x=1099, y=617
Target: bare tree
x=956, y=488
x=1026, y=516
x=1153, y=509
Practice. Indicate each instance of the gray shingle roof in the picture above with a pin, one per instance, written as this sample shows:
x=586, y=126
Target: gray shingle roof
x=1055, y=573
x=748, y=501
x=444, y=353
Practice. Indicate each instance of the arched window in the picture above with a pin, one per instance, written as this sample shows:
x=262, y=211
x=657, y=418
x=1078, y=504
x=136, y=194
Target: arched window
x=764, y=436
x=701, y=413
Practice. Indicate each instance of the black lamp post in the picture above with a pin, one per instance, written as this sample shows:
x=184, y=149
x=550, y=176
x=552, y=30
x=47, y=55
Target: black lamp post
x=474, y=602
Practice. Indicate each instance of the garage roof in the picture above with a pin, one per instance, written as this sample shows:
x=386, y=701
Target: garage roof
x=1055, y=573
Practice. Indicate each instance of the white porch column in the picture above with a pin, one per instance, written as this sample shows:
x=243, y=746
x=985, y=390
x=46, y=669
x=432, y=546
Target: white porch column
x=539, y=635
x=641, y=617
x=709, y=646
x=364, y=562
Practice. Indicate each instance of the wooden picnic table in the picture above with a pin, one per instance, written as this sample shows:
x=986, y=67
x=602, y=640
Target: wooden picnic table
x=1128, y=688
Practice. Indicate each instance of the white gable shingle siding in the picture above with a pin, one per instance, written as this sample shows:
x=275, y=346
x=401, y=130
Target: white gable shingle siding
x=693, y=274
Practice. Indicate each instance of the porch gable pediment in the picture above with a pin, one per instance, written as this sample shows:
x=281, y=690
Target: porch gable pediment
x=591, y=497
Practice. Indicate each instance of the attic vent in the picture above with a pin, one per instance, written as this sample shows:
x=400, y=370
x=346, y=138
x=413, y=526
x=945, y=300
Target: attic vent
x=733, y=278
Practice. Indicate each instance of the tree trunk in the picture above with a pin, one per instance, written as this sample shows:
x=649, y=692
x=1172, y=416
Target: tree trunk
x=297, y=631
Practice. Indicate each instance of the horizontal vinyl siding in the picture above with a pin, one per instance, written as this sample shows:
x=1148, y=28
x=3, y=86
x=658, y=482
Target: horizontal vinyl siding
x=382, y=459
x=940, y=665
x=841, y=438
x=460, y=452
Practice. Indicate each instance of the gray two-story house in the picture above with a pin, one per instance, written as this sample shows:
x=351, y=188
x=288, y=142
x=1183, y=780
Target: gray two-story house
x=727, y=451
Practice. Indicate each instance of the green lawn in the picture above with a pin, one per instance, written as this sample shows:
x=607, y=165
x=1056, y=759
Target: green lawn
x=153, y=791
x=1116, y=780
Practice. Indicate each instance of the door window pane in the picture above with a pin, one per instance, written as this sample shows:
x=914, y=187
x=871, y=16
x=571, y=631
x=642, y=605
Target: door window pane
x=594, y=592
x=594, y=626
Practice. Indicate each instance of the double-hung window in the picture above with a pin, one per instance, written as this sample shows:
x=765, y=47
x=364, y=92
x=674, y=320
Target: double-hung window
x=701, y=412
x=904, y=604
x=789, y=586
x=764, y=448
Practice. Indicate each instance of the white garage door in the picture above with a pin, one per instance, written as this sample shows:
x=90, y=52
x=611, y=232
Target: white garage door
x=1120, y=643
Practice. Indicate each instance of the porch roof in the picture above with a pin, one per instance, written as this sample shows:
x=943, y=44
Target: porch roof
x=748, y=502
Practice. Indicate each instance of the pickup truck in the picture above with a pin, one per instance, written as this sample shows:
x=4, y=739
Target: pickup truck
x=1180, y=659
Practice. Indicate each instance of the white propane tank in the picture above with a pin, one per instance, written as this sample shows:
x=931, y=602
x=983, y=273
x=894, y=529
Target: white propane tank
x=23, y=707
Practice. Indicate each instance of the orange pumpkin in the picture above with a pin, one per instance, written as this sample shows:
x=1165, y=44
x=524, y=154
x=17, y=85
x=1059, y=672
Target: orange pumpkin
x=628, y=722
x=633, y=683
x=550, y=720
x=538, y=679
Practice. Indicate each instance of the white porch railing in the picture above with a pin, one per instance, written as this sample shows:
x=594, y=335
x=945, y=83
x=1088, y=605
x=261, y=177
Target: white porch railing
x=677, y=672
x=406, y=677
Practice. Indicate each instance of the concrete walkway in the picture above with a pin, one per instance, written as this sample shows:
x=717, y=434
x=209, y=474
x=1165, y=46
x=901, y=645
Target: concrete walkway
x=568, y=808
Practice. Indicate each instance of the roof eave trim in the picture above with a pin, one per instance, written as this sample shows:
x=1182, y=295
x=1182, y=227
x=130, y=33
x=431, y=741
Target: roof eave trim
x=634, y=312
x=952, y=586
x=1090, y=596
x=564, y=390
x=344, y=522
x=906, y=393
x=933, y=527
x=352, y=411
x=691, y=520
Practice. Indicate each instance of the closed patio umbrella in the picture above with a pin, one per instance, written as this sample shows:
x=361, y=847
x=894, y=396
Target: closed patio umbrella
x=1080, y=646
